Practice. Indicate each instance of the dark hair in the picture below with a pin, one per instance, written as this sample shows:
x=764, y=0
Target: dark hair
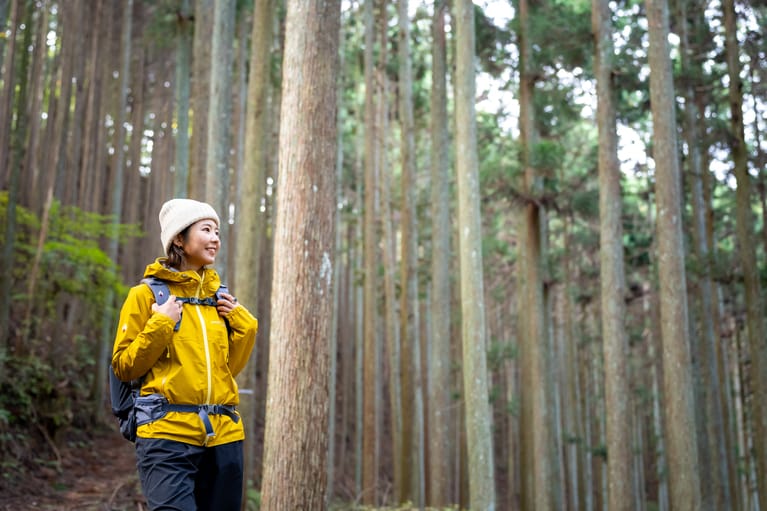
x=176, y=254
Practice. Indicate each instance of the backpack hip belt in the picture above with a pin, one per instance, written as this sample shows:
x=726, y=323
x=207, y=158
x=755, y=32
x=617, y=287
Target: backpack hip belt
x=155, y=406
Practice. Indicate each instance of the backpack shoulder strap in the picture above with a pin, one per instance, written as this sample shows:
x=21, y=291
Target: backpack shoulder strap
x=161, y=293
x=222, y=289
x=159, y=289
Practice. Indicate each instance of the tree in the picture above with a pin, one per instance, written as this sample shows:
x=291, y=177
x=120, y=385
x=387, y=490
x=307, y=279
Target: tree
x=220, y=120
x=475, y=388
x=297, y=402
x=680, y=434
x=411, y=456
x=540, y=490
x=200, y=101
x=620, y=473
x=250, y=223
x=439, y=356
x=183, y=74
x=371, y=357
x=13, y=162
x=713, y=449
x=757, y=342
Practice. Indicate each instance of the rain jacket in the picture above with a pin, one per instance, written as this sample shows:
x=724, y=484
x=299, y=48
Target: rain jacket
x=195, y=365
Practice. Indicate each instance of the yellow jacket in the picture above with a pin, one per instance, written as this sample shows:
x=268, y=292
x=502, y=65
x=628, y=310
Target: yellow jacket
x=195, y=365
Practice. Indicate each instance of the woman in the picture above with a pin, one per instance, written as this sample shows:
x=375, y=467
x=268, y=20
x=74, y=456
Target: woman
x=186, y=351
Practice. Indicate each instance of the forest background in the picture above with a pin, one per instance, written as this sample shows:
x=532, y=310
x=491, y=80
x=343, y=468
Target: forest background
x=601, y=344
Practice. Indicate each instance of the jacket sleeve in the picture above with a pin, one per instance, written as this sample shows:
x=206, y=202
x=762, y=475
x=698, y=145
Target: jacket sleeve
x=242, y=338
x=141, y=337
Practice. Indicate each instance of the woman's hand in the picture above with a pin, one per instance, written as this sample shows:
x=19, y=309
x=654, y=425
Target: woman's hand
x=170, y=308
x=226, y=304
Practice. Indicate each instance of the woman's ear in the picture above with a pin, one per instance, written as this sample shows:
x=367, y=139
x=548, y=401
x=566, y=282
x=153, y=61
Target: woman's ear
x=178, y=241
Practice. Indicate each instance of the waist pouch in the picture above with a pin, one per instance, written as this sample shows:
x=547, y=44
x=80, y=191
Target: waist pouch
x=154, y=407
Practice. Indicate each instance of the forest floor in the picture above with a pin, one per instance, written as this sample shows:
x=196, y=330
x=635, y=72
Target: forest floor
x=99, y=475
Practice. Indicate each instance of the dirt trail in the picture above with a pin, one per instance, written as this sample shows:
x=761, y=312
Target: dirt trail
x=99, y=476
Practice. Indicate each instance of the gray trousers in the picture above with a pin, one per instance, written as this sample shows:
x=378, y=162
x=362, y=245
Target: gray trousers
x=184, y=477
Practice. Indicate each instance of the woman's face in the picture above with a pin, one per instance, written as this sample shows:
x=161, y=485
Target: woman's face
x=201, y=245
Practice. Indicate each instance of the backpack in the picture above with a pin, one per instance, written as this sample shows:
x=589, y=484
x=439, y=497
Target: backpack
x=123, y=394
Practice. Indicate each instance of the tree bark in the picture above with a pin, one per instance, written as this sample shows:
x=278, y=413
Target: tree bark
x=200, y=100
x=744, y=231
x=475, y=385
x=297, y=402
x=681, y=437
x=618, y=405
x=183, y=78
x=250, y=220
x=217, y=163
x=371, y=353
x=712, y=444
x=411, y=457
x=439, y=368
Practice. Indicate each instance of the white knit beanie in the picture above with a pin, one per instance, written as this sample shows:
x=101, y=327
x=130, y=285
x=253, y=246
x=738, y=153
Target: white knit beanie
x=178, y=214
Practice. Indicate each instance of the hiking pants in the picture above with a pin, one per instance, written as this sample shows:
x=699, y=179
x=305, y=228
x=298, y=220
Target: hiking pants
x=184, y=477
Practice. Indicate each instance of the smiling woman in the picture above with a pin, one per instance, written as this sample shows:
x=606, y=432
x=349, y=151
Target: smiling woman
x=186, y=346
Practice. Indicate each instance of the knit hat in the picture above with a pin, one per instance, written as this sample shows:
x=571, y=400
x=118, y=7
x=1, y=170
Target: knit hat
x=178, y=214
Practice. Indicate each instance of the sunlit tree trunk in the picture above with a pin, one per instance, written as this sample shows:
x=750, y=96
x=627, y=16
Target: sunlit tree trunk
x=439, y=358
x=295, y=455
x=757, y=342
x=620, y=473
x=250, y=221
x=475, y=385
x=681, y=438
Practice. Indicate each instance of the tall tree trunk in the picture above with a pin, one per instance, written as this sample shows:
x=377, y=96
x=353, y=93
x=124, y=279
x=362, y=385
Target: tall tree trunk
x=66, y=184
x=250, y=221
x=681, y=437
x=219, y=122
x=388, y=252
x=4, y=5
x=108, y=320
x=297, y=404
x=412, y=397
x=337, y=283
x=439, y=367
x=620, y=473
x=200, y=101
x=183, y=78
x=475, y=386
x=93, y=162
x=372, y=411
x=715, y=493
x=11, y=153
x=411, y=457
x=540, y=489
x=31, y=177
x=757, y=342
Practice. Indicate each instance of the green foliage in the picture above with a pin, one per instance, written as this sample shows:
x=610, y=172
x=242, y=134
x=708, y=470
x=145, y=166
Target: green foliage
x=55, y=332
x=252, y=498
x=492, y=43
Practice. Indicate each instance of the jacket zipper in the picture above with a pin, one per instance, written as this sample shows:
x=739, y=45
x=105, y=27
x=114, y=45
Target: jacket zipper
x=205, y=344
